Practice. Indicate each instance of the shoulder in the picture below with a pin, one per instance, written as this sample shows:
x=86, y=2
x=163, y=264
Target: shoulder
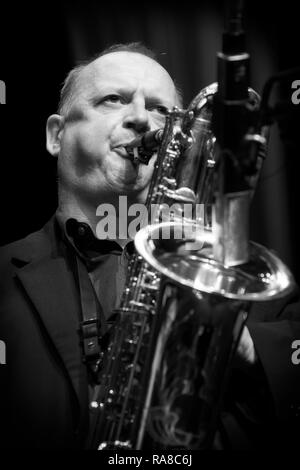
x=34, y=246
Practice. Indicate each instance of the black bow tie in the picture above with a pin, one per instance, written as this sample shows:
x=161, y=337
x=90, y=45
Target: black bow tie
x=86, y=242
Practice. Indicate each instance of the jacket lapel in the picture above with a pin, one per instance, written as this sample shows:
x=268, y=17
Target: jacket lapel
x=51, y=288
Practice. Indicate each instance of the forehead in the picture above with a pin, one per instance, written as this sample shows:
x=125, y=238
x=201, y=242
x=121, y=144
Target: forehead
x=131, y=71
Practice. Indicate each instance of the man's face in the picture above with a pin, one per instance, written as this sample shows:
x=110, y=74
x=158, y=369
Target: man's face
x=119, y=96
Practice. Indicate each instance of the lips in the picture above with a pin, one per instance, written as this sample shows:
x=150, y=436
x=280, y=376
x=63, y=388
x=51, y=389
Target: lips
x=120, y=149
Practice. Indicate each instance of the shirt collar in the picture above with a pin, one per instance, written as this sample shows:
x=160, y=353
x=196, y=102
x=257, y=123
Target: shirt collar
x=88, y=246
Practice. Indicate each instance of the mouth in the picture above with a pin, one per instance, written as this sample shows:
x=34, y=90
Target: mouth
x=121, y=150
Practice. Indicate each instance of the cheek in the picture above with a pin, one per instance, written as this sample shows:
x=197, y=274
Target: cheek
x=94, y=138
x=157, y=121
x=88, y=142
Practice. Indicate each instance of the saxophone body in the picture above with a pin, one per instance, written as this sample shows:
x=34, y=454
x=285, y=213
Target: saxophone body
x=184, y=307
x=118, y=400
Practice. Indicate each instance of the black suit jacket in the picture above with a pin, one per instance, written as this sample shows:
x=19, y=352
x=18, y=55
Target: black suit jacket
x=44, y=389
x=44, y=397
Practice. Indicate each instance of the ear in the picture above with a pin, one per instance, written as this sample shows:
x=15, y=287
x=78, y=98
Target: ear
x=54, y=128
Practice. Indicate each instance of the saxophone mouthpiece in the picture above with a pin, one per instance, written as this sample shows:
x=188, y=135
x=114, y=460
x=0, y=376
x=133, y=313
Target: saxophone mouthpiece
x=143, y=147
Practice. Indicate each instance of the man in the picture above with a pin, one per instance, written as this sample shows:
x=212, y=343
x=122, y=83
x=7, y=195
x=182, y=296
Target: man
x=104, y=105
x=59, y=282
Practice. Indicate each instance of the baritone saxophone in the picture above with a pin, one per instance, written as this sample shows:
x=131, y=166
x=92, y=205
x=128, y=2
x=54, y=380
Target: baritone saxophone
x=185, y=300
x=206, y=290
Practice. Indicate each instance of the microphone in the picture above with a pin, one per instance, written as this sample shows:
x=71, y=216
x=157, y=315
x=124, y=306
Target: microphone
x=143, y=147
x=230, y=112
x=230, y=125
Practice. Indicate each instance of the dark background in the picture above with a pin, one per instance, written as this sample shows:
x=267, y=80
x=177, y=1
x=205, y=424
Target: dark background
x=40, y=43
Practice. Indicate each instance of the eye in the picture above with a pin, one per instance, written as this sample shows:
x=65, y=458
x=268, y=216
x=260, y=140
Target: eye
x=163, y=110
x=113, y=99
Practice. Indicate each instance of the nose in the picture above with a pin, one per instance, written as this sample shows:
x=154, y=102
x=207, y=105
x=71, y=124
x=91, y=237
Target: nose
x=137, y=117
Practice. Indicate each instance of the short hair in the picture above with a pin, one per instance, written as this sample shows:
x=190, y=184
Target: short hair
x=71, y=82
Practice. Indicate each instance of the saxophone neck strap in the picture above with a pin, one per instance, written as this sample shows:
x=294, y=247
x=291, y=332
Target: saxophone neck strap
x=93, y=325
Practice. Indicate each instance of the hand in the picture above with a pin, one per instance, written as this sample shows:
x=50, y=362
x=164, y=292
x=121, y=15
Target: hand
x=245, y=349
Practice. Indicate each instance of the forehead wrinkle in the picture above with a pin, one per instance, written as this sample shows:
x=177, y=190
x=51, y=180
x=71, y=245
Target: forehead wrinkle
x=109, y=70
